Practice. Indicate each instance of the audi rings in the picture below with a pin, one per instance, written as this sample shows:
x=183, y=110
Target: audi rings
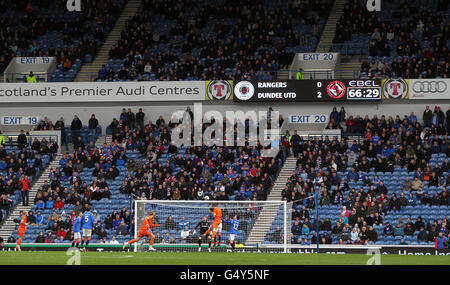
x=435, y=86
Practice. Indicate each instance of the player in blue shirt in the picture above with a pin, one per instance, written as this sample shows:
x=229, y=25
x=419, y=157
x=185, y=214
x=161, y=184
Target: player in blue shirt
x=234, y=229
x=87, y=224
x=77, y=230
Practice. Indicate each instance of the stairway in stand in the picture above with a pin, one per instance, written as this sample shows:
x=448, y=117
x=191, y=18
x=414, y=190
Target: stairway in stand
x=268, y=213
x=349, y=65
x=327, y=36
x=326, y=39
x=8, y=226
x=89, y=71
x=106, y=139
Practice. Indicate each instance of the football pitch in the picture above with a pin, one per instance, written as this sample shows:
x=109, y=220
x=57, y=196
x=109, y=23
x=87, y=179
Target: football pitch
x=213, y=258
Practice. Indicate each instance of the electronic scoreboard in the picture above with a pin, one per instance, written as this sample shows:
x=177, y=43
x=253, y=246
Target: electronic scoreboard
x=307, y=90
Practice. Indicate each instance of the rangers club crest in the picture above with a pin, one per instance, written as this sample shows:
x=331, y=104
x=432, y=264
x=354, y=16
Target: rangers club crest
x=244, y=90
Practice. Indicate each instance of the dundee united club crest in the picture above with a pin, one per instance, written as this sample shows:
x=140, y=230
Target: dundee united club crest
x=336, y=89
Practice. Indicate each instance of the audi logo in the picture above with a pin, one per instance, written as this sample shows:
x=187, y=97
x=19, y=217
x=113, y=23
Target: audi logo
x=430, y=87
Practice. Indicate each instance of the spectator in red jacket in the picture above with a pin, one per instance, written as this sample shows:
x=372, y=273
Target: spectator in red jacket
x=61, y=234
x=344, y=212
x=427, y=53
x=350, y=124
x=59, y=204
x=25, y=184
x=285, y=143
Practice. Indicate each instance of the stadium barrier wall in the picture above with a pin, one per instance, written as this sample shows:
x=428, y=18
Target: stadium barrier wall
x=319, y=65
x=106, y=111
x=11, y=137
x=300, y=249
x=19, y=67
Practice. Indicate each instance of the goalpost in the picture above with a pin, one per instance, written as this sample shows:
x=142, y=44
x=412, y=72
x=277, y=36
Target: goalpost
x=261, y=224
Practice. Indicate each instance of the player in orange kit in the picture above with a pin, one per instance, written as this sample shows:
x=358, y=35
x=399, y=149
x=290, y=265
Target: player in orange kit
x=22, y=228
x=217, y=222
x=145, y=232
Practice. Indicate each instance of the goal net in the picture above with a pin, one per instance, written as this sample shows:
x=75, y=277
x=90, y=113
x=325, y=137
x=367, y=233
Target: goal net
x=192, y=226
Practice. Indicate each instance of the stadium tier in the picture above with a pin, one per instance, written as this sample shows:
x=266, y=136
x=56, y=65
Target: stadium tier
x=390, y=184
x=214, y=41
x=46, y=28
x=21, y=163
x=137, y=167
x=406, y=39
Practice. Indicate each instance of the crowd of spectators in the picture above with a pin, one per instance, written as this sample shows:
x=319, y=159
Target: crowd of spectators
x=23, y=23
x=387, y=145
x=18, y=169
x=249, y=40
x=53, y=194
x=65, y=186
x=415, y=47
x=433, y=123
x=199, y=173
x=58, y=226
x=238, y=173
x=75, y=130
x=218, y=172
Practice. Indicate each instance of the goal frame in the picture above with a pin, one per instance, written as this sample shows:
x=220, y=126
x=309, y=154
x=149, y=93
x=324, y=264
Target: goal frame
x=206, y=202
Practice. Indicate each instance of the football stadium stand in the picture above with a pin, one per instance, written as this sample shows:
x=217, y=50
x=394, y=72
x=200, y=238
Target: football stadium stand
x=46, y=28
x=203, y=40
x=141, y=163
x=388, y=185
x=386, y=180
x=406, y=39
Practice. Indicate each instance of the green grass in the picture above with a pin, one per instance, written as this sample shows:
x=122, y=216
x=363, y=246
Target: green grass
x=205, y=258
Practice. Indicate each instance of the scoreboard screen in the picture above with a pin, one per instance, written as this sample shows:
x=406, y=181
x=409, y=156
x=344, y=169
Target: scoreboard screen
x=308, y=90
